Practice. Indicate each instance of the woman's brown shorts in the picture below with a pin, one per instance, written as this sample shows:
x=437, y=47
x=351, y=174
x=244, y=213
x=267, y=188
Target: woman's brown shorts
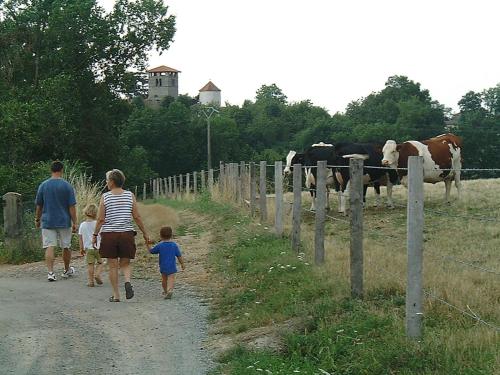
x=117, y=245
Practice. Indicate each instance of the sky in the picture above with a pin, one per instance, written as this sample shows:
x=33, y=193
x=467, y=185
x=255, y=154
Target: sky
x=331, y=51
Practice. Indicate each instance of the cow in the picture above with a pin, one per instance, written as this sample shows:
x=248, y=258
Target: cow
x=309, y=158
x=442, y=160
x=376, y=176
x=335, y=155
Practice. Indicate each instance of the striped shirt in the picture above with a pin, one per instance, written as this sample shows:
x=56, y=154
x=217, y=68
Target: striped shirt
x=118, y=210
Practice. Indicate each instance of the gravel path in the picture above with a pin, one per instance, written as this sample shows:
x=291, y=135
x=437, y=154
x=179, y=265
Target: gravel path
x=67, y=328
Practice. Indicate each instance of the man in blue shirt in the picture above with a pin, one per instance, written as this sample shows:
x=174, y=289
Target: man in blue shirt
x=56, y=215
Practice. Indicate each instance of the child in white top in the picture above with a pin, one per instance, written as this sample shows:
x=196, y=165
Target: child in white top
x=85, y=233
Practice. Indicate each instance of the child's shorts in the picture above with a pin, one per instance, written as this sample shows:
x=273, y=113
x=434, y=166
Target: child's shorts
x=93, y=256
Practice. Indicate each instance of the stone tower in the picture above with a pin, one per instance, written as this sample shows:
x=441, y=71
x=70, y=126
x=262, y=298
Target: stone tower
x=210, y=94
x=163, y=81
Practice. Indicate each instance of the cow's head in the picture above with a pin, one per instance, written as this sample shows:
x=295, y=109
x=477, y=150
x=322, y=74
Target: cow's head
x=391, y=154
x=289, y=158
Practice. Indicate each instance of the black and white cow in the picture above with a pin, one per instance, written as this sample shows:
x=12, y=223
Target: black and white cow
x=372, y=153
x=337, y=155
x=309, y=158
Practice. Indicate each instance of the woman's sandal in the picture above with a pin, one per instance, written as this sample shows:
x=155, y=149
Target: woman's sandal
x=113, y=299
x=98, y=280
x=129, y=291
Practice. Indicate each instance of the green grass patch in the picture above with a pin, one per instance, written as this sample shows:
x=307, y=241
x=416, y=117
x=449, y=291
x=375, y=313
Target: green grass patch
x=266, y=284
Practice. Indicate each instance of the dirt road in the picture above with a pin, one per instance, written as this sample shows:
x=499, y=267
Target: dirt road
x=67, y=328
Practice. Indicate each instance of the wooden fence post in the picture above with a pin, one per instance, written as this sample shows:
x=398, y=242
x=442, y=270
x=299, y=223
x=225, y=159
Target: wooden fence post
x=165, y=187
x=181, y=186
x=297, y=206
x=221, y=177
x=188, y=184
x=415, y=241
x=253, y=188
x=195, y=182
x=243, y=174
x=170, y=190
x=176, y=188
x=278, y=192
x=202, y=181
x=211, y=181
x=144, y=196
x=319, y=234
x=229, y=180
x=263, y=192
x=235, y=183
x=12, y=215
x=356, y=205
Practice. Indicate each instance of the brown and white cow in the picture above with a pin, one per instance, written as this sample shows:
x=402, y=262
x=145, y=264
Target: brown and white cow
x=442, y=159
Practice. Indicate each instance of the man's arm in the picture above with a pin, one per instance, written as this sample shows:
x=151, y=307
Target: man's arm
x=38, y=215
x=72, y=213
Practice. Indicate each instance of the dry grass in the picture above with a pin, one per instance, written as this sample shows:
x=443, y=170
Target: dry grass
x=155, y=216
x=86, y=190
x=451, y=231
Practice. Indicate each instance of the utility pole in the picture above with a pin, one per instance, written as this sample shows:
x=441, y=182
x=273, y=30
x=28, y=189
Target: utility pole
x=208, y=113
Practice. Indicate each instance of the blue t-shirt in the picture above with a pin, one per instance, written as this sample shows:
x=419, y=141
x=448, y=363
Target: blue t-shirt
x=56, y=196
x=168, y=251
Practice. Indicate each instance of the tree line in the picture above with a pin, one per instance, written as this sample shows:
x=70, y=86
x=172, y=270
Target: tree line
x=71, y=89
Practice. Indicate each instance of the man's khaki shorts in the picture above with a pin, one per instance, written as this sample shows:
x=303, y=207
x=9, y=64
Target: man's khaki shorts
x=57, y=237
x=93, y=256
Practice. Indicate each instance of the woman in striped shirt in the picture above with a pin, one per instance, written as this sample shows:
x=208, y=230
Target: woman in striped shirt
x=117, y=211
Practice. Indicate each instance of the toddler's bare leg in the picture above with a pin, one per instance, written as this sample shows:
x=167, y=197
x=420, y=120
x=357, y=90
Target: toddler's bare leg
x=171, y=282
x=164, y=282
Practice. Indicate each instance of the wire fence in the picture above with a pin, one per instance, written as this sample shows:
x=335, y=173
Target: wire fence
x=233, y=183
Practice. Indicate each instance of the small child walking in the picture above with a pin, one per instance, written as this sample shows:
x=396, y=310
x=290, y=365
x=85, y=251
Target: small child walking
x=92, y=257
x=168, y=251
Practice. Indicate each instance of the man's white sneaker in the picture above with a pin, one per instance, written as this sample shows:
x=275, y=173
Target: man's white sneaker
x=68, y=273
x=51, y=276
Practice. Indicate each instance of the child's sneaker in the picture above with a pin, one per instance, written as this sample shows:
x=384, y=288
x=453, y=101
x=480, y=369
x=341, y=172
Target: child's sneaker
x=51, y=276
x=69, y=272
x=169, y=294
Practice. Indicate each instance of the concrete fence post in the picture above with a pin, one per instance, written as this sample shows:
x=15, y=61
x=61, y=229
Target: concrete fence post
x=263, y=192
x=415, y=241
x=144, y=194
x=12, y=215
x=319, y=233
x=188, y=184
x=297, y=206
x=195, y=182
x=278, y=192
x=356, y=204
x=253, y=189
x=181, y=186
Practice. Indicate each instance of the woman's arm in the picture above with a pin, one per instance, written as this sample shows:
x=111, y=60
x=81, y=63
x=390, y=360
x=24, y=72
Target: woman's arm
x=138, y=219
x=101, y=217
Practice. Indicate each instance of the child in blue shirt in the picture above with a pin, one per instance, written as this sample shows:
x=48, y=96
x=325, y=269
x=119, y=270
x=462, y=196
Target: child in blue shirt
x=168, y=251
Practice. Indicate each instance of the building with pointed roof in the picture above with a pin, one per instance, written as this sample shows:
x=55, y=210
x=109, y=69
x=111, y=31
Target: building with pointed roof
x=210, y=94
